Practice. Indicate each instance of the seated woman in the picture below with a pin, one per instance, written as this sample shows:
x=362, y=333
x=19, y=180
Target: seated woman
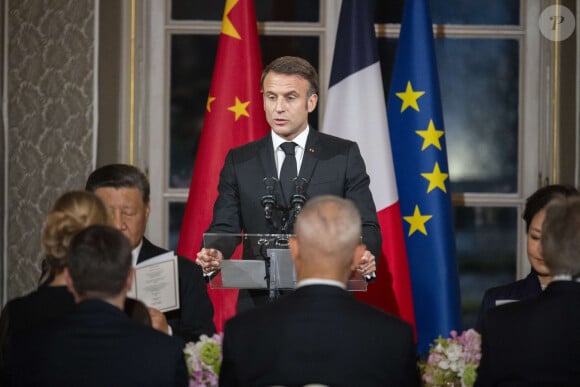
x=71, y=213
x=539, y=277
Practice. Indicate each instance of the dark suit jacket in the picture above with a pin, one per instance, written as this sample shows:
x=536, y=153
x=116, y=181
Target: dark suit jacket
x=534, y=342
x=195, y=316
x=330, y=165
x=520, y=290
x=95, y=345
x=318, y=334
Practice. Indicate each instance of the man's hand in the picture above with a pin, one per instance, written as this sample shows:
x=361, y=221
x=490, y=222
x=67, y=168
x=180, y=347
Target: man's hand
x=158, y=320
x=209, y=259
x=367, y=265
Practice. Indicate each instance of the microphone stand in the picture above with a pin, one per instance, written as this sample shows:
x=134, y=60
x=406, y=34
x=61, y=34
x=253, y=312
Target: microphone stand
x=272, y=293
x=298, y=199
x=269, y=203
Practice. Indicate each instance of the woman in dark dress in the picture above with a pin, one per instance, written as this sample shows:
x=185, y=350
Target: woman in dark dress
x=71, y=213
x=539, y=277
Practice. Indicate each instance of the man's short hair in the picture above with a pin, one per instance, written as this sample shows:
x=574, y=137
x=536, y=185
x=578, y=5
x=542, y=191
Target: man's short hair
x=293, y=65
x=99, y=261
x=331, y=223
x=561, y=236
x=119, y=176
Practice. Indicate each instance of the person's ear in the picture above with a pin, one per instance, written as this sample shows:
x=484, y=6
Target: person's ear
x=311, y=104
x=358, y=254
x=147, y=210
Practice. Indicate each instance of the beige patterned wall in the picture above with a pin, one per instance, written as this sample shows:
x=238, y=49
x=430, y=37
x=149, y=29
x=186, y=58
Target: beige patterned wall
x=50, y=106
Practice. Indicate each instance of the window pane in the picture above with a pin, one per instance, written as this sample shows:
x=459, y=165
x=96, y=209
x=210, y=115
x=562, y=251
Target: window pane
x=479, y=81
x=496, y=12
x=192, y=60
x=197, y=9
x=486, y=240
x=176, y=211
x=288, y=10
x=266, y=10
x=479, y=91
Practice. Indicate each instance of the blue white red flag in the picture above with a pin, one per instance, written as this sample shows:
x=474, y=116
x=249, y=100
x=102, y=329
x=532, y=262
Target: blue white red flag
x=355, y=110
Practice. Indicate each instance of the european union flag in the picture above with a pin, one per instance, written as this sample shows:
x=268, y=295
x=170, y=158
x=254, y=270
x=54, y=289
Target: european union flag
x=420, y=158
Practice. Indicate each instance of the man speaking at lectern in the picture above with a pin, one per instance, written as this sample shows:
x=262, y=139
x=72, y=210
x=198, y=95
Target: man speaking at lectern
x=263, y=184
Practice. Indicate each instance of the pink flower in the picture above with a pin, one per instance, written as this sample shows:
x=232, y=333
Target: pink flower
x=453, y=360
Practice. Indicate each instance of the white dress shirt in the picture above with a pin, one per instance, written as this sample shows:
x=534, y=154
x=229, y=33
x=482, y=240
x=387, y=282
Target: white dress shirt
x=279, y=154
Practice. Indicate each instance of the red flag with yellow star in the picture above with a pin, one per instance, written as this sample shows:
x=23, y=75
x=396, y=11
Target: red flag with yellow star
x=234, y=116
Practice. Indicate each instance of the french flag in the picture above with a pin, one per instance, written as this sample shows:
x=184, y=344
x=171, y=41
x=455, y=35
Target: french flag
x=356, y=110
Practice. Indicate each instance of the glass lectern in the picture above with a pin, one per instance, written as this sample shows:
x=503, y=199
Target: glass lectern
x=259, y=261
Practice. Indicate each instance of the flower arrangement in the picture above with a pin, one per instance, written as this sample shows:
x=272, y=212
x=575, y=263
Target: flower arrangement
x=453, y=361
x=204, y=359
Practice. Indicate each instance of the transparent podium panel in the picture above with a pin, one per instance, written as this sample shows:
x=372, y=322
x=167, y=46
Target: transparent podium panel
x=259, y=261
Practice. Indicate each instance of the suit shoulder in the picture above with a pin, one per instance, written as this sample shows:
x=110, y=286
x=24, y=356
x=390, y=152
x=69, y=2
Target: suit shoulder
x=149, y=250
x=250, y=147
x=330, y=139
x=517, y=290
x=387, y=318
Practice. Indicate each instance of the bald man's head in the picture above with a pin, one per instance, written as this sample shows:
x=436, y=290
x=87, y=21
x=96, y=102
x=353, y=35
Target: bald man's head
x=328, y=232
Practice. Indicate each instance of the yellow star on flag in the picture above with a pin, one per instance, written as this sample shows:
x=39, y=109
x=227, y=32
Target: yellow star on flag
x=436, y=179
x=227, y=26
x=210, y=99
x=240, y=108
x=410, y=97
x=417, y=221
x=430, y=136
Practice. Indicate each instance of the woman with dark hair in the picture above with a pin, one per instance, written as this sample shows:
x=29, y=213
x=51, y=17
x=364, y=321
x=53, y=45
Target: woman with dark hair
x=539, y=277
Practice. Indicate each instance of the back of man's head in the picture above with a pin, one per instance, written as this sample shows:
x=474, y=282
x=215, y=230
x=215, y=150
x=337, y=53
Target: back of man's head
x=561, y=236
x=119, y=176
x=328, y=232
x=99, y=262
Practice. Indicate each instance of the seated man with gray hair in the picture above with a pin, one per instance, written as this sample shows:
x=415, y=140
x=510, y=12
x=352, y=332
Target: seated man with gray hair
x=536, y=342
x=96, y=344
x=320, y=333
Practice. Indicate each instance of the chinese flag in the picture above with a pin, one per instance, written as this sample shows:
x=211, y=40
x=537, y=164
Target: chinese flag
x=234, y=116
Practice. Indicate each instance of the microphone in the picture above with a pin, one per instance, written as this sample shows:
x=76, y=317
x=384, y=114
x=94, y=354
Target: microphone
x=298, y=198
x=269, y=199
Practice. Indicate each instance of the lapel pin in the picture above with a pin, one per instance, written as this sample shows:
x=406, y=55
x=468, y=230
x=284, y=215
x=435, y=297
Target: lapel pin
x=311, y=150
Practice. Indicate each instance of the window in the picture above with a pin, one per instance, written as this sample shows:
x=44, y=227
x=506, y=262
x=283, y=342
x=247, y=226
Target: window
x=489, y=100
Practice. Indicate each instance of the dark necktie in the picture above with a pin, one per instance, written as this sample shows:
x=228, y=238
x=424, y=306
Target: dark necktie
x=289, y=170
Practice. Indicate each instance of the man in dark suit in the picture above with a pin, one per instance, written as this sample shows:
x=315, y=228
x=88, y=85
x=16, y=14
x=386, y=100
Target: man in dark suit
x=321, y=164
x=125, y=191
x=536, y=342
x=97, y=344
x=320, y=333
